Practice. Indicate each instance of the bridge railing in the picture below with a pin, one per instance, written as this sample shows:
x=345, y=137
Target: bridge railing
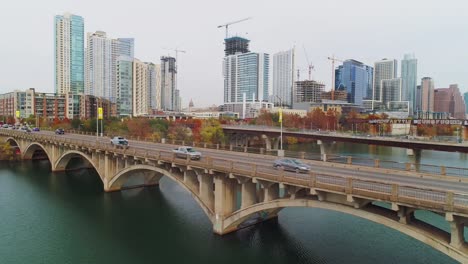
x=437, y=199
x=351, y=160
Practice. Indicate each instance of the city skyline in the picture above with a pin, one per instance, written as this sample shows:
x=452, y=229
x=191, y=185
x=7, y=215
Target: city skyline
x=279, y=28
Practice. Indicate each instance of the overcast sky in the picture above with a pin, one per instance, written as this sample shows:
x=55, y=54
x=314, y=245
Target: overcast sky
x=366, y=30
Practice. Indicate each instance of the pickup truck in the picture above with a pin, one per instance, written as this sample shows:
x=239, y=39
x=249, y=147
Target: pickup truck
x=119, y=142
x=184, y=152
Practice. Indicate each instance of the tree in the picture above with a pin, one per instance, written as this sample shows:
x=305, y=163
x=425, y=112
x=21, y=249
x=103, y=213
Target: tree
x=139, y=127
x=212, y=132
x=75, y=123
x=7, y=152
x=179, y=132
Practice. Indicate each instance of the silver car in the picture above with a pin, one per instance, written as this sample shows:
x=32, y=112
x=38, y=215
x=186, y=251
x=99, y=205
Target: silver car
x=291, y=165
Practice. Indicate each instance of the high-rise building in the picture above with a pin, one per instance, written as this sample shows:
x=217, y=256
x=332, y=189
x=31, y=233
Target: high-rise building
x=283, y=78
x=125, y=86
x=383, y=70
x=427, y=95
x=69, y=54
x=391, y=91
x=154, y=84
x=168, y=83
x=125, y=47
x=465, y=98
x=449, y=100
x=246, y=74
x=409, y=75
x=102, y=54
x=99, y=65
x=355, y=78
x=140, y=88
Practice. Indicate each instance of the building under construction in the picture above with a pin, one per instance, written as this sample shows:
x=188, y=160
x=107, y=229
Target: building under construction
x=308, y=91
x=236, y=45
x=337, y=95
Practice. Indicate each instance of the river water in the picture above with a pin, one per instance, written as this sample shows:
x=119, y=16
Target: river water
x=66, y=218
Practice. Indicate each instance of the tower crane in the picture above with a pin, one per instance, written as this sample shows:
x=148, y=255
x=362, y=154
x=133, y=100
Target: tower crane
x=311, y=67
x=234, y=22
x=176, y=50
x=333, y=59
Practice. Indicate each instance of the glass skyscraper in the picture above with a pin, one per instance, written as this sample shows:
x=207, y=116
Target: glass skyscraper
x=69, y=53
x=356, y=78
x=409, y=75
x=125, y=86
x=246, y=73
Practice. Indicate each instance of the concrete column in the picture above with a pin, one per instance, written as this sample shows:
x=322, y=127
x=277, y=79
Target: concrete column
x=249, y=194
x=267, y=142
x=191, y=180
x=225, y=195
x=107, y=167
x=271, y=191
x=456, y=234
x=276, y=143
x=325, y=148
x=409, y=152
x=206, y=189
x=405, y=215
x=417, y=158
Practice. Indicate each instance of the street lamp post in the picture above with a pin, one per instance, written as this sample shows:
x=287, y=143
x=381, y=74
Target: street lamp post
x=281, y=151
x=97, y=122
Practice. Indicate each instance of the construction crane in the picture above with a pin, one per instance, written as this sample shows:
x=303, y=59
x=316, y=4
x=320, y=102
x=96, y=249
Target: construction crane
x=234, y=22
x=333, y=59
x=177, y=54
x=311, y=67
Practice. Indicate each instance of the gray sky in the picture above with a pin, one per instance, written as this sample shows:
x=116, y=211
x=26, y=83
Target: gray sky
x=366, y=30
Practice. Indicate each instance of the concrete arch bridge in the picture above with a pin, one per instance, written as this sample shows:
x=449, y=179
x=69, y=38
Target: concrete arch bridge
x=221, y=179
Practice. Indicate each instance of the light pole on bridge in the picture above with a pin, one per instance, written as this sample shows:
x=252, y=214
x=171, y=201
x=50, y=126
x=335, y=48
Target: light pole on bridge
x=280, y=119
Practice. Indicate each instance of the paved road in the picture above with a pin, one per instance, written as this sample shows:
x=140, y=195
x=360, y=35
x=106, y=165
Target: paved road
x=266, y=162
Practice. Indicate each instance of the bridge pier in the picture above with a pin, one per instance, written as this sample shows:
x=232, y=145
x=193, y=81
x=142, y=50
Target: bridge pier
x=225, y=202
x=325, y=148
x=206, y=191
x=267, y=141
x=457, y=228
x=248, y=191
x=405, y=214
x=191, y=180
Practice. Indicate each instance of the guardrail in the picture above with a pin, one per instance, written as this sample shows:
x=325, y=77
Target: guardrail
x=435, y=199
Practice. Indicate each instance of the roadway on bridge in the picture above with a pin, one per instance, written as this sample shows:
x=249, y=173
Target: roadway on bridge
x=357, y=172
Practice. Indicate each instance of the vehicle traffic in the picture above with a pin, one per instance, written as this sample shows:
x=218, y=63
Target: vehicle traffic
x=119, y=142
x=59, y=131
x=291, y=165
x=184, y=152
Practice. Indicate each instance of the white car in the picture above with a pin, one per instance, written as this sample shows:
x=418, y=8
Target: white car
x=119, y=142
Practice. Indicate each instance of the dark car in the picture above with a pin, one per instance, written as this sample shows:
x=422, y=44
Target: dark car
x=35, y=129
x=59, y=131
x=291, y=165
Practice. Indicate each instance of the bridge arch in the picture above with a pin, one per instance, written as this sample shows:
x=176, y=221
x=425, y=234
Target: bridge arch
x=237, y=218
x=29, y=151
x=124, y=174
x=64, y=159
x=12, y=142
